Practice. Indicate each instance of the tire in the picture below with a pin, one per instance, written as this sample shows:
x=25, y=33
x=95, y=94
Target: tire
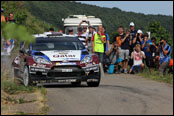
x=95, y=84
x=26, y=77
x=76, y=83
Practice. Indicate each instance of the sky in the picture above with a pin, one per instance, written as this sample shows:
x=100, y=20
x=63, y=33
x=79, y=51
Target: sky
x=146, y=7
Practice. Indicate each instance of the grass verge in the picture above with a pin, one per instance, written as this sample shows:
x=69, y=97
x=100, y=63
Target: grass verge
x=154, y=75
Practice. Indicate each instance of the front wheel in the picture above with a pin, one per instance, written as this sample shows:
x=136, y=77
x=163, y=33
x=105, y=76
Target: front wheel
x=26, y=77
x=95, y=84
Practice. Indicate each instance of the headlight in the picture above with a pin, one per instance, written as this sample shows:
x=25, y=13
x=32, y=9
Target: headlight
x=41, y=60
x=87, y=59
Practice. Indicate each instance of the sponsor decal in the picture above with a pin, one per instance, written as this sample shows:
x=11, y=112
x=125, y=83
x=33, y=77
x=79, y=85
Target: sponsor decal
x=66, y=55
x=65, y=63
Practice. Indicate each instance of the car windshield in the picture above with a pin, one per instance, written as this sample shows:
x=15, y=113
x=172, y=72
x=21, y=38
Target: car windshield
x=47, y=44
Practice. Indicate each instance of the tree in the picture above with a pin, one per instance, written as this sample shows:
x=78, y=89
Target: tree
x=159, y=31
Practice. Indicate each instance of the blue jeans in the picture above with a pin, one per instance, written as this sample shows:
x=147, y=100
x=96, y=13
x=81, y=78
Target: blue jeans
x=100, y=56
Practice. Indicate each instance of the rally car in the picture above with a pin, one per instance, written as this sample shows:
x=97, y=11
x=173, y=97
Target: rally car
x=59, y=59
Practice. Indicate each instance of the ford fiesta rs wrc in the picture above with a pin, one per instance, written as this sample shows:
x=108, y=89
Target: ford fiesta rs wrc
x=57, y=59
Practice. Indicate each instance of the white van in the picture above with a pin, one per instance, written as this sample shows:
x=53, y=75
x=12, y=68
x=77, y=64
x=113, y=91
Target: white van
x=73, y=21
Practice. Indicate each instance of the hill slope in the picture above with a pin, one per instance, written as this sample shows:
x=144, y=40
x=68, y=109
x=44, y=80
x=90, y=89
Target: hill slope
x=53, y=12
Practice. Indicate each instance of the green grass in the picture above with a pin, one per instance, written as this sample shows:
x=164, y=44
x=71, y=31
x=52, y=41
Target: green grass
x=154, y=75
x=12, y=88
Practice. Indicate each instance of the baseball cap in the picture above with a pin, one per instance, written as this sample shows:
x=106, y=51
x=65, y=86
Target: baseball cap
x=132, y=24
x=139, y=31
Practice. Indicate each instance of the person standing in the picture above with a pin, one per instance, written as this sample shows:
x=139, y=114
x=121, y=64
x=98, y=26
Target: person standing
x=70, y=31
x=145, y=44
x=89, y=38
x=10, y=18
x=138, y=38
x=81, y=36
x=106, y=45
x=124, y=54
x=98, y=41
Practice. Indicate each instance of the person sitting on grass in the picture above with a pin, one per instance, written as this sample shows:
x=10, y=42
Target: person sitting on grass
x=137, y=55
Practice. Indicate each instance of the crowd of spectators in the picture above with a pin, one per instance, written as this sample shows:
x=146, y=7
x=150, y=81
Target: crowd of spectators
x=130, y=52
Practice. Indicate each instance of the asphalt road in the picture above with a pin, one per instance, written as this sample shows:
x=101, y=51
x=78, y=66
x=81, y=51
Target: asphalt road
x=117, y=94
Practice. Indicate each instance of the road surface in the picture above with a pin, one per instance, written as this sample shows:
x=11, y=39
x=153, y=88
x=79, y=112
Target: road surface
x=117, y=94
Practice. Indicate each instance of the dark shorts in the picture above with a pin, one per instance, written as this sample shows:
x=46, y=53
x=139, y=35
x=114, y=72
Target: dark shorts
x=149, y=62
x=100, y=56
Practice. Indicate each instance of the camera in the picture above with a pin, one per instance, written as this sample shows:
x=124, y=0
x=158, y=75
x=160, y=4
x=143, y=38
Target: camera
x=83, y=20
x=115, y=46
x=161, y=43
x=150, y=43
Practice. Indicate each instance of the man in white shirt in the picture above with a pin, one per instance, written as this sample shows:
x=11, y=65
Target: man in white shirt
x=137, y=56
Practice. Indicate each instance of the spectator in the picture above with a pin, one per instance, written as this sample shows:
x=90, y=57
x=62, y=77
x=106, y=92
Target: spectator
x=113, y=54
x=146, y=48
x=70, y=31
x=2, y=15
x=94, y=30
x=154, y=53
x=90, y=35
x=137, y=55
x=81, y=36
x=119, y=36
x=51, y=30
x=106, y=45
x=165, y=52
x=138, y=38
x=61, y=31
x=98, y=41
x=124, y=53
x=133, y=33
x=84, y=31
x=11, y=19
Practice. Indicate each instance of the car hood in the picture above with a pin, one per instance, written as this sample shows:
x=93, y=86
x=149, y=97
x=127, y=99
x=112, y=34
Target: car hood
x=63, y=55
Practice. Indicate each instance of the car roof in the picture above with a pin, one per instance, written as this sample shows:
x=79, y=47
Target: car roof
x=48, y=39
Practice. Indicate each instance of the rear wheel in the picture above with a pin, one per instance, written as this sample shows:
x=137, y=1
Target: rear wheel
x=26, y=77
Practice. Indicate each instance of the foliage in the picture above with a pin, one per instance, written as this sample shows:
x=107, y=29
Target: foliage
x=18, y=32
x=24, y=17
x=159, y=31
x=53, y=12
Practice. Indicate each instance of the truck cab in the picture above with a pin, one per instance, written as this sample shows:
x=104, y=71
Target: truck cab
x=73, y=21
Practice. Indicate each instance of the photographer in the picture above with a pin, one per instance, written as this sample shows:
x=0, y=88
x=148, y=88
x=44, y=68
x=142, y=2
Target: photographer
x=165, y=52
x=138, y=39
x=124, y=53
x=137, y=55
x=146, y=43
x=154, y=53
x=113, y=54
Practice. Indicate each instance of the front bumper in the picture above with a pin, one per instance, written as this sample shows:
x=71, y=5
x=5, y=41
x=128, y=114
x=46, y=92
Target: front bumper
x=64, y=74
